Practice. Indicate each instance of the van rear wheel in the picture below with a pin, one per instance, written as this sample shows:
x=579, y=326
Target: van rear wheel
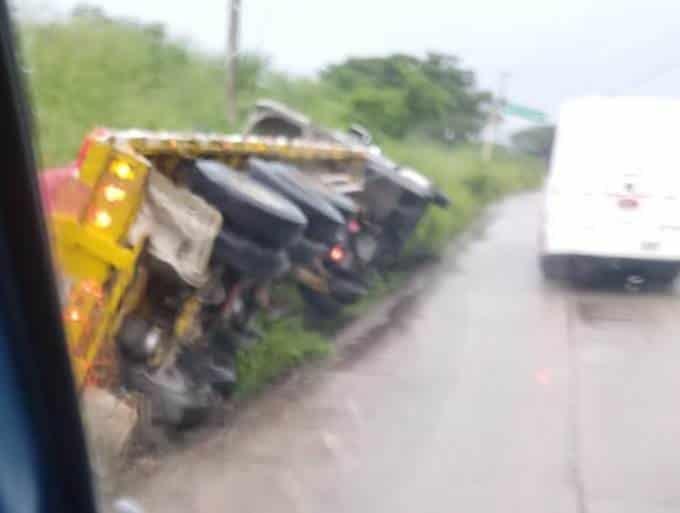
x=585, y=272
x=554, y=267
x=663, y=274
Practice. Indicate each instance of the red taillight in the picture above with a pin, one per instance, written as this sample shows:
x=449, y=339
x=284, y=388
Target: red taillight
x=336, y=254
x=628, y=203
x=353, y=226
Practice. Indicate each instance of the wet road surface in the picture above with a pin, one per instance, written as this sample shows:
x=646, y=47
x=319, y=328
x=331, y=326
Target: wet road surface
x=489, y=392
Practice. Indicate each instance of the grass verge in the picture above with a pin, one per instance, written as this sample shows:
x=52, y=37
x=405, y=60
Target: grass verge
x=286, y=344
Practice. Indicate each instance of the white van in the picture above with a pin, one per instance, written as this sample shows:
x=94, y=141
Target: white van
x=612, y=196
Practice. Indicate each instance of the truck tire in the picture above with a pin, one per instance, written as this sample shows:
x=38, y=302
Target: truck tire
x=211, y=366
x=305, y=251
x=320, y=305
x=347, y=206
x=582, y=272
x=325, y=223
x=176, y=401
x=248, y=208
x=345, y=290
x=662, y=274
x=249, y=258
x=138, y=339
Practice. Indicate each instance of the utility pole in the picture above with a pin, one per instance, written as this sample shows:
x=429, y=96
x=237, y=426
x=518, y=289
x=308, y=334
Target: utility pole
x=234, y=17
x=494, y=117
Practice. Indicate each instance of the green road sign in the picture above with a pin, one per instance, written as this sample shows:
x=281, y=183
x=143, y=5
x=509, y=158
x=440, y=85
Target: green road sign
x=512, y=109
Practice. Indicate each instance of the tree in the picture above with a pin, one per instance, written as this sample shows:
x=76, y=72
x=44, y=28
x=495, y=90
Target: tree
x=432, y=95
x=381, y=109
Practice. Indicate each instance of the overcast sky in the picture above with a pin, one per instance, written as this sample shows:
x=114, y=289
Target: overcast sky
x=552, y=49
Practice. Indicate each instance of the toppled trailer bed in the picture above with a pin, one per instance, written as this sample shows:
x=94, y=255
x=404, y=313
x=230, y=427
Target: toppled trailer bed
x=168, y=242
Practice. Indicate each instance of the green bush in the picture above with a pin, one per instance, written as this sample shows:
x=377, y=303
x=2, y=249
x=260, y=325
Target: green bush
x=466, y=179
x=387, y=105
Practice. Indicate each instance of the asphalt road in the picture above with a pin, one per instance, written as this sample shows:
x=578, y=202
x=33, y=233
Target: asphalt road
x=489, y=392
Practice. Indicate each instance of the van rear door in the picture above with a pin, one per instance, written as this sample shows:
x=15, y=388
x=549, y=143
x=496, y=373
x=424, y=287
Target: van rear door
x=614, y=183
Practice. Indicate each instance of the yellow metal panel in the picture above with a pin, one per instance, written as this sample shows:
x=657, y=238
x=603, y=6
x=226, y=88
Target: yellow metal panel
x=95, y=161
x=78, y=264
x=74, y=261
x=222, y=146
x=132, y=297
x=81, y=315
x=186, y=321
x=97, y=315
x=121, y=281
x=71, y=236
x=121, y=213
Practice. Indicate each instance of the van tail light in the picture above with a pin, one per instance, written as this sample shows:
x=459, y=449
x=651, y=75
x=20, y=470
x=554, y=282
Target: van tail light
x=628, y=203
x=353, y=226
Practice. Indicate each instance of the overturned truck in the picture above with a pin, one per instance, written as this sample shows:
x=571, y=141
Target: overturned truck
x=167, y=245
